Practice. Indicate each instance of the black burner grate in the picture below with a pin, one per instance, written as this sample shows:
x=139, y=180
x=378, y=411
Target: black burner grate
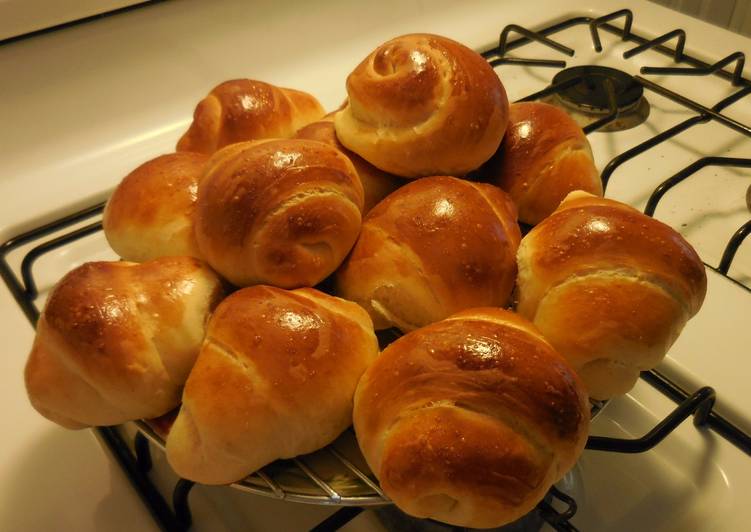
x=136, y=465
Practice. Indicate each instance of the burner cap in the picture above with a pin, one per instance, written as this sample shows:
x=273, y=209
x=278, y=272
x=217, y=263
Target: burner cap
x=591, y=93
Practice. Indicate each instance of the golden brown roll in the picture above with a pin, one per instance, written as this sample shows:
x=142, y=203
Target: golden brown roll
x=244, y=109
x=278, y=212
x=275, y=378
x=471, y=420
x=116, y=340
x=150, y=213
x=609, y=287
x=376, y=183
x=423, y=105
x=435, y=246
x=544, y=156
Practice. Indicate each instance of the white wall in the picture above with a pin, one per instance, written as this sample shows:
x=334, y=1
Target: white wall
x=732, y=14
x=23, y=16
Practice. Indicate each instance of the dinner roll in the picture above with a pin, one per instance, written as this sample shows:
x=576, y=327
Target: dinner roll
x=116, y=340
x=471, y=420
x=150, y=214
x=609, y=287
x=376, y=183
x=422, y=105
x=544, y=156
x=275, y=379
x=435, y=246
x=278, y=212
x=245, y=109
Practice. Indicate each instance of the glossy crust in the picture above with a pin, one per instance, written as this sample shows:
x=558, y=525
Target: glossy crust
x=278, y=212
x=275, y=379
x=376, y=183
x=544, y=156
x=471, y=420
x=435, y=246
x=609, y=287
x=244, y=109
x=150, y=213
x=116, y=340
x=423, y=105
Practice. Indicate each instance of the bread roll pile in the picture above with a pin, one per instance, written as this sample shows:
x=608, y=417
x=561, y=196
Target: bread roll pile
x=472, y=415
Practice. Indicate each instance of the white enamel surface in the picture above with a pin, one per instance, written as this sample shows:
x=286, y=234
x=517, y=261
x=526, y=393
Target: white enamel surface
x=713, y=350
x=694, y=480
x=82, y=107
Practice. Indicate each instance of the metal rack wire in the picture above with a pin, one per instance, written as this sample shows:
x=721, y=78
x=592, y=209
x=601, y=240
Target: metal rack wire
x=329, y=476
x=137, y=462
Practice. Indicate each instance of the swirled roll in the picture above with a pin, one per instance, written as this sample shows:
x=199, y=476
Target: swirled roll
x=423, y=105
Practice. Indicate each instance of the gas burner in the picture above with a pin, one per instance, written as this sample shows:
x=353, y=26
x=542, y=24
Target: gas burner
x=588, y=99
x=591, y=94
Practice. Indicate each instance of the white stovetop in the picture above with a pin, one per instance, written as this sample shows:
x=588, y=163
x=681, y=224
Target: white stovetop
x=83, y=106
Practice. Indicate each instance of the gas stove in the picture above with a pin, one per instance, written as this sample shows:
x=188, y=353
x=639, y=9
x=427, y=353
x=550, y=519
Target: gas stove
x=666, y=108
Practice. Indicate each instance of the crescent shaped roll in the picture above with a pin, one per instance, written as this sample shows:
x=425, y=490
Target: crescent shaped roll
x=275, y=379
x=116, y=340
x=435, y=246
x=244, y=109
x=278, y=212
x=471, y=420
x=544, y=156
x=609, y=287
x=151, y=212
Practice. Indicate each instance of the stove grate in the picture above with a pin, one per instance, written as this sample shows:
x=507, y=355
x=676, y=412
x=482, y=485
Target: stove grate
x=687, y=172
x=668, y=134
x=625, y=14
x=738, y=58
x=677, y=55
x=502, y=41
x=137, y=462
